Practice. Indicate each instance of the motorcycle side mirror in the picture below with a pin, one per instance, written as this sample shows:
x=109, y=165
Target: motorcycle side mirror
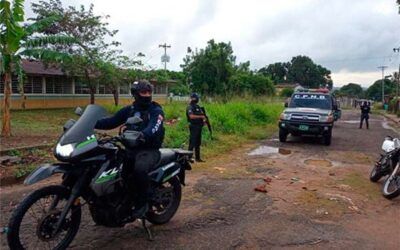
x=78, y=111
x=133, y=120
x=69, y=124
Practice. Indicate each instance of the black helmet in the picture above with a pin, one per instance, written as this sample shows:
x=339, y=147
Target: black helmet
x=194, y=98
x=142, y=102
x=140, y=86
x=194, y=95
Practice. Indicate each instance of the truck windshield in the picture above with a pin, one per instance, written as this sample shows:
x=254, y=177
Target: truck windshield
x=310, y=101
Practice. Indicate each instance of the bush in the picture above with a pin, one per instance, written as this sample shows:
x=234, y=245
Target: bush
x=287, y=92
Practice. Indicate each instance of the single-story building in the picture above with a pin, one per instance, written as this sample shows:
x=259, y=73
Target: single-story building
x=50, y=87
x=281, y=86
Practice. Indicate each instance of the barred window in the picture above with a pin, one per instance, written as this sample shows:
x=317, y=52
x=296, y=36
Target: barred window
x=104, y=89
x=58, y=85
x=81, y=87
x=1, y=84
x=14, y=85
x=33, y=84
x=124, y=89
x=160, y=89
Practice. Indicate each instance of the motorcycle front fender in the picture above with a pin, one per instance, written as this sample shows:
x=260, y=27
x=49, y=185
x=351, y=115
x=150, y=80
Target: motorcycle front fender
x=45, y=171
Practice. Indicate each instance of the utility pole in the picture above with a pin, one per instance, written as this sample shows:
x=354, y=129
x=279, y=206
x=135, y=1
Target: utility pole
x=165, y=57
x=383, y=84
x=397, y=76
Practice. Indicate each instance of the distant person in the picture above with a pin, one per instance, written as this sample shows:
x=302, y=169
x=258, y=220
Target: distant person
x=196, y=119
x=365, y=110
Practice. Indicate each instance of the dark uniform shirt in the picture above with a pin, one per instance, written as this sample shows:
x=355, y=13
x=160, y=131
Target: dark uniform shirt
x=365, y=110
x=152, y=126
x=194, y=109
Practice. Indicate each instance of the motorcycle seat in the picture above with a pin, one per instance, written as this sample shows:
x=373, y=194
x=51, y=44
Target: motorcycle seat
x=166, y=156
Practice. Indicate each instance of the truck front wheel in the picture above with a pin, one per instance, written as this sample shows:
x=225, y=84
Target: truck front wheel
x=327, y=138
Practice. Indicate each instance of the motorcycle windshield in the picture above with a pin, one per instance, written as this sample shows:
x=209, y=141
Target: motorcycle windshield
x=84, y=127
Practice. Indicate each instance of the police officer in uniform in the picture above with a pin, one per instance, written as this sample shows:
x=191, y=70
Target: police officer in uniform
x=196, y=120
x=147, y=155
x=365, y=110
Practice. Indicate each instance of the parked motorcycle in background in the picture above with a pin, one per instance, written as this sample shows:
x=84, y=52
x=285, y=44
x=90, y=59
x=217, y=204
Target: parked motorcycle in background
x=388, y=164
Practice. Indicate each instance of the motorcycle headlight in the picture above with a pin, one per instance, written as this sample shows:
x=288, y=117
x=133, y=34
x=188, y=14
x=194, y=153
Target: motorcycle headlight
x=285, y=116
x=65, y=150
x=388, y=146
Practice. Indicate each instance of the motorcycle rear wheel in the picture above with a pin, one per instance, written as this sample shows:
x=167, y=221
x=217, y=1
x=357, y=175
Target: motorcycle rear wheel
x=37, y=233
x=161, y=212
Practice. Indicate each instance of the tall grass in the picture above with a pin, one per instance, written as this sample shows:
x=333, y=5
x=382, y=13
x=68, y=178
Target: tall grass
x=237, y=118
x=232, y=122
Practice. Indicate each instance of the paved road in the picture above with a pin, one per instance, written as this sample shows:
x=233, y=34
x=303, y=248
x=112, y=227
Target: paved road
x=317, y=197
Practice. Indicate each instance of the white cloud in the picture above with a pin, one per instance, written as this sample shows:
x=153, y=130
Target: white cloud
x=351, y=38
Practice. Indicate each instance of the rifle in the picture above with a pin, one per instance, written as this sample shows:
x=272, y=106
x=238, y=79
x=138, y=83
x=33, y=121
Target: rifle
x=207, y=121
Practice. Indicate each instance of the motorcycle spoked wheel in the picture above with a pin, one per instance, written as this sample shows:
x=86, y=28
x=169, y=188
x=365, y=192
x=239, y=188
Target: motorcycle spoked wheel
x=166, y=203
x=391, y=187
x=32, y=222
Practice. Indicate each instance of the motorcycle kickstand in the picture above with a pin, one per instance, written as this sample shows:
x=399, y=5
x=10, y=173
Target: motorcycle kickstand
x=148, y=231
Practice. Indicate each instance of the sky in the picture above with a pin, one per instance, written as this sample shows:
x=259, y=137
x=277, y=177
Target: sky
x=350, y=38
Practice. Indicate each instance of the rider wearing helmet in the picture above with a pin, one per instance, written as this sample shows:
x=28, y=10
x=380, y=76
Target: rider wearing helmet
x=146, y=157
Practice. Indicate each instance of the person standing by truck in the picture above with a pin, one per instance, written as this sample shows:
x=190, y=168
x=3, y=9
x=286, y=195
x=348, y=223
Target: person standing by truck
x=365, y=110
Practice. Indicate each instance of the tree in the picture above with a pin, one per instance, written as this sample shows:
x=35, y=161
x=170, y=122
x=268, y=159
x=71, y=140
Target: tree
x=277, y=71
x=352, y=90
x=304, y=71
x=375, y=90
x=398, y=3
x=18, y=41
x=209, y=69
x=94, y=46
x=287, y=92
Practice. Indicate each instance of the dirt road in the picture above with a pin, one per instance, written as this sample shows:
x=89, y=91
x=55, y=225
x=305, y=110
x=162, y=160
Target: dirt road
x=317, y=197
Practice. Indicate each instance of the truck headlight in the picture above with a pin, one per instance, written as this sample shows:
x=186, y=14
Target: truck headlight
x=65, y=150
x=285, y=116
x=326, y=118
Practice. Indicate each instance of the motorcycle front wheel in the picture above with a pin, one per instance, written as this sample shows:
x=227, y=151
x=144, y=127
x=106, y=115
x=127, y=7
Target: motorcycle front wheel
x=165, y=202
x=375, y=174
x=391, y=187
x=32, y=223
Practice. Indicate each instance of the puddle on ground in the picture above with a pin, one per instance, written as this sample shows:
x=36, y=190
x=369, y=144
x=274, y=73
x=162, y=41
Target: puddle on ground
x=318, y=163
x=358, y=121
x=352, y=122
x=385, y=125
x=266, y=150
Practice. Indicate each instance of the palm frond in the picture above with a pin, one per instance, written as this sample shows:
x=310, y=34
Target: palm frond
x=46, y=55
x=19, y=71
x=42, y=24
x=11, y=32
x=18, y=10
x=53, y=39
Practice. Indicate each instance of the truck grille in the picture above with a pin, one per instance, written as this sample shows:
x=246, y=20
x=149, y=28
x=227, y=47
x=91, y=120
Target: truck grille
x=305, y=117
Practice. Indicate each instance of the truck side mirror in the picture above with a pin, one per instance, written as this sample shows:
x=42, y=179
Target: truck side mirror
x=286, y=104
